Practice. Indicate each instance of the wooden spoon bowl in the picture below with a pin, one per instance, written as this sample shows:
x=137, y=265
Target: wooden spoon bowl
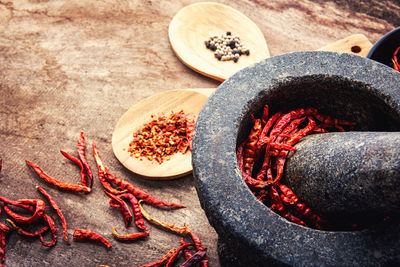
x=163, y=103
x=196, y=23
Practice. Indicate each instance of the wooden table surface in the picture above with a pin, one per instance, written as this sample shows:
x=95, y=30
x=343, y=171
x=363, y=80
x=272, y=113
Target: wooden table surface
x=72, y=66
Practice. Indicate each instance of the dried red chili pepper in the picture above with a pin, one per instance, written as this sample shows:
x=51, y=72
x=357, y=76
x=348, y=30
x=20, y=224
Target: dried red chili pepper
x=293, y=199
x=25, y=233
x=289, y=128
x=14, y=203
x=81, y=147
x=250, y=148
x=128, y=237
x=284, y=120
x=56, y=183
x=199, y=247
x=195, y=259
x=136, y=209
x=250, y=181
x=137, y=192
x=177, y=229
x=161, y=261
x=268, y=126
x=290, y=217
x=87, y=235
x=53, y=230
x=186, y=252
x=176, y=253
x=190, y=124
x=123, y=207
x=38, y=211
x=80, y=165
x=3, y=231
x=55, y=206
x=264, y=117
x=1, y=164
x=395, y=62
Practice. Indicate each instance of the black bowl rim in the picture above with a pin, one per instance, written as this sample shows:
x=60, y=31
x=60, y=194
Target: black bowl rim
x=381, y=41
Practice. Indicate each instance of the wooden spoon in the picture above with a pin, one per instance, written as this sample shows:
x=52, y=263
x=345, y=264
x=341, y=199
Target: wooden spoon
x=196, y=23
x=180, y=164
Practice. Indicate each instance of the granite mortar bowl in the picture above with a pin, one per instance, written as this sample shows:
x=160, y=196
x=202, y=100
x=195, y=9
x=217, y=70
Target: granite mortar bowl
x=250, y=234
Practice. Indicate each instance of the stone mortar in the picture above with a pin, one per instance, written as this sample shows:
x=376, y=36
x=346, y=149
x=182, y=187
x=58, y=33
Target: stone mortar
x=341, y=85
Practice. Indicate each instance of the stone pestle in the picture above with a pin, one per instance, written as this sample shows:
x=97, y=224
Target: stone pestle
x=345, y=174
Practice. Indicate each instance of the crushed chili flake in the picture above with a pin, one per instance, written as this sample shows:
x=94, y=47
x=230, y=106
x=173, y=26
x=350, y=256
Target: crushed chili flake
x=163, y=137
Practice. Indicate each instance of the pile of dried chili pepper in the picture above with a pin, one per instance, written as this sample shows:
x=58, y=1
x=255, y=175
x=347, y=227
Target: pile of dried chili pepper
x=395, y=62
x=261, y=159
x=162, y=137
x=39, y=220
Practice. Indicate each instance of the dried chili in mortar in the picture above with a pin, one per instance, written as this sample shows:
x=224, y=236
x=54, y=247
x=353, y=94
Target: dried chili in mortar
x=279, y=134
x=123, y=207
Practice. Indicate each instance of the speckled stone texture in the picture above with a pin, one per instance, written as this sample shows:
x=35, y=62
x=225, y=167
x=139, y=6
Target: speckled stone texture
x=341, y=85
x=346, y=174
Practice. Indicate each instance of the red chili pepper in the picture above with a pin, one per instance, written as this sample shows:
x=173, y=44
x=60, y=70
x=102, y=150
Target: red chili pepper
x=161, y=261
x=3, y=232
x=1, y=164
x=395, y=62
x=293, y=199
x=264, y=117
x=53, y=230
x=301, y=133
x=80, y=165
x=55, y=206
x=128, y=237
x=267, y=127
x=56, y=183
x=289, y=128
x=38, y=211
x=195, y=259
x=290, y=217
x=123, y=207
x=186, y=252
x=190, y=123
x=23, y=232
x=14, y=203
x=139, y=221
x=137, y=192
x=87, y=235
x=284, y=120
x=81, y=147
x=173, y=257
x=250, y=148
x=199, y=247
